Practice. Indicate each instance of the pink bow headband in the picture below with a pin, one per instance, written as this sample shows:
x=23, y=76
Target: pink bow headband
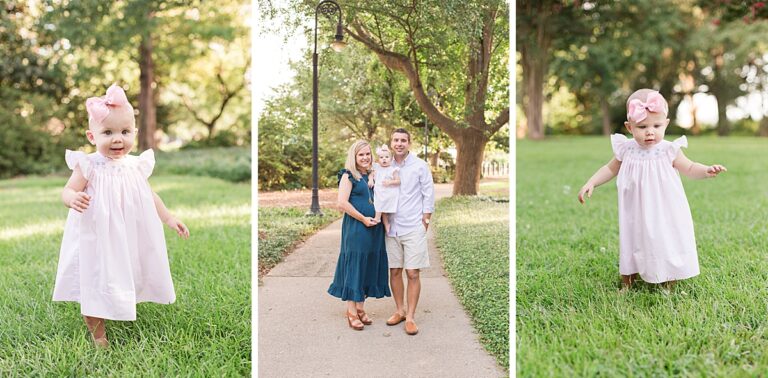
x=638, y=110
x=98, y=107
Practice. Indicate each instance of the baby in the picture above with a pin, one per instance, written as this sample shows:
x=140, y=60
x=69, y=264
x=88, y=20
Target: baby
x=655, y=226
x=113, y=253
x=386, y=186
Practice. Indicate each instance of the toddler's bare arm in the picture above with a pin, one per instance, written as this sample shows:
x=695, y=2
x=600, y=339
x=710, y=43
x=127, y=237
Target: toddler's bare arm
x=694, y=170
x=604, y=174
x=168, y=218
x=73, y=195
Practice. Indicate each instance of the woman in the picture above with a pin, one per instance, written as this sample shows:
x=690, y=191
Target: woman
x=362, y=268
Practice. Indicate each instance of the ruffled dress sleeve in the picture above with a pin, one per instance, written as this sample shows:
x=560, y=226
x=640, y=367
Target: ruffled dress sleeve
x=78, y=158
x=675, y=146
x=147, y=163
x=341, y=174
x=619, y=143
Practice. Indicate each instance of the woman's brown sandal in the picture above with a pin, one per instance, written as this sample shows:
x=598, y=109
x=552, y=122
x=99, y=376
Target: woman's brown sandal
x=364, y=317
x=351, y=318
x=101, y=340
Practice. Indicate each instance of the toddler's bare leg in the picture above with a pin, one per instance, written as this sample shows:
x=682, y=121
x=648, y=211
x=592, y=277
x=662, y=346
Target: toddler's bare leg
x=98, y=329
x=385, y=218
x=626, y=282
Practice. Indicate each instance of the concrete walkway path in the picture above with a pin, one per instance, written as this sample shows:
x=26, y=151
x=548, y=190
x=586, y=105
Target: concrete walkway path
x=303, y=331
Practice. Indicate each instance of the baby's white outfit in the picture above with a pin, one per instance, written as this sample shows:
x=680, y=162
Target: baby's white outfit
x=385, y=197
x=113, y=255
x=655, y=225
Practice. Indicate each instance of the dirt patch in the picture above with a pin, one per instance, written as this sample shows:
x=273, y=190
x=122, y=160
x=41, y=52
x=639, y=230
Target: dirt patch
x=298, y=198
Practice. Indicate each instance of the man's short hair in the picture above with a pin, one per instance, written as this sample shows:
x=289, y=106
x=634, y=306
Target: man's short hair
x=401, y=131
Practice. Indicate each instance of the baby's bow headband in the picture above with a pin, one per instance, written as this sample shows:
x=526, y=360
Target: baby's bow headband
x=638, y=110
x=98, y=107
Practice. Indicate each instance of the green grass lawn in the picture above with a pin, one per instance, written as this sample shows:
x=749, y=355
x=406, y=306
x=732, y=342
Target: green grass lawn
x=281, y=228
x=207, y=332
x=473, y=237
x=228, y=163
x=571, y=320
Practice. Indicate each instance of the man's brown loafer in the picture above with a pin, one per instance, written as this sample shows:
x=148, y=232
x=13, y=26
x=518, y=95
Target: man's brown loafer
x=410, y=328
x=395, y=319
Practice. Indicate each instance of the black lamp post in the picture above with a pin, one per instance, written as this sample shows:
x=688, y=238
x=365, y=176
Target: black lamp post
x=327, y=8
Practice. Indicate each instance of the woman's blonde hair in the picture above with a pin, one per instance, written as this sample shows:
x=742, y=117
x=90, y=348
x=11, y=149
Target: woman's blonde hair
x=351, y=163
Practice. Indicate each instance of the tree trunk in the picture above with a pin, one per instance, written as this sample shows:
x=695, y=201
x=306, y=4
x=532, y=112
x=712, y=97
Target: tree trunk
x=763, y=130
x=723, y=128
x=533, y=75
x=434, y=156
x=696, y=127
x=469, y=162
x=147, y=106
x=534, y=52
x=605, y=108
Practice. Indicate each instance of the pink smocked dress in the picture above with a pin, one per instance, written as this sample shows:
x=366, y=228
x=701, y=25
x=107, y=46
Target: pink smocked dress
x=655, y=225
x=385, y=198
x=113, y=255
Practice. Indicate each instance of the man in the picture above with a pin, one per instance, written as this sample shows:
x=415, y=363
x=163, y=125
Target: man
x=407, y=238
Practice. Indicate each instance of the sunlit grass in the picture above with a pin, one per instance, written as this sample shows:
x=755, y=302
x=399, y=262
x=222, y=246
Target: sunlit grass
x=207, y=332
x=571, y=320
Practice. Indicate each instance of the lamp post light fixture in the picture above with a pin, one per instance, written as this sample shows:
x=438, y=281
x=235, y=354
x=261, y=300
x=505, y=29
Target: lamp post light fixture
x=327, y=8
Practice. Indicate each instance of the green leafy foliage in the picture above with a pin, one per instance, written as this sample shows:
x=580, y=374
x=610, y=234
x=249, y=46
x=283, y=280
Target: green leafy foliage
x=473, y=238
x=54, y=55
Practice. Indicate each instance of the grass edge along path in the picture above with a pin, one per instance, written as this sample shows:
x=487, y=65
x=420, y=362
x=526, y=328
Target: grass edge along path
x=472, y=235
x=282, y=229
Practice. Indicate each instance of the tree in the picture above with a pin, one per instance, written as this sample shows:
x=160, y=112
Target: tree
x=206, y=100
x=33, y=93
x=143, y=31
x=538, y=24
x=455, y=44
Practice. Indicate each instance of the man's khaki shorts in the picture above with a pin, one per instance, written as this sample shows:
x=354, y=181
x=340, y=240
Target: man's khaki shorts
x=408, y=251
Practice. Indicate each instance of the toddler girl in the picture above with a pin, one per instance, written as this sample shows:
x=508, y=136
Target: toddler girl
x=386, y=189
x=655, y=226
x=113, y=252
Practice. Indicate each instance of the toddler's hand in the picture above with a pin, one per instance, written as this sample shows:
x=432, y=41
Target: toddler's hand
x=179, y=227
x=370, y=184
x=586, y=189
x=714, y=170
x=80, y=202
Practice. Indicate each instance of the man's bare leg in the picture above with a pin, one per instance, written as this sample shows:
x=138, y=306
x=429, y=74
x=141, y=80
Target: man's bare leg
x=398, y=291
x=414, y=289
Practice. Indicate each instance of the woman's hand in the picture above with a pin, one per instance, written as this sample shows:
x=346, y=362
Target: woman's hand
x=178, y=226
x=714, y=170
x=586, y=189
x=369, y=222
x=79, y=201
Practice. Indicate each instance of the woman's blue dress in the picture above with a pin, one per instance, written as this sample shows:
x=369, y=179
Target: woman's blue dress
x=362, y=270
